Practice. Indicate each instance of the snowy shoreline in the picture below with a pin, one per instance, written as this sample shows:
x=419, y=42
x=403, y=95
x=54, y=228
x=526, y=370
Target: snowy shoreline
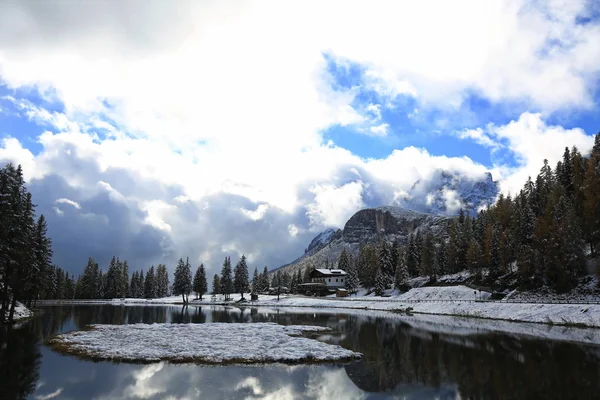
x=452, y=301
x=210, y=343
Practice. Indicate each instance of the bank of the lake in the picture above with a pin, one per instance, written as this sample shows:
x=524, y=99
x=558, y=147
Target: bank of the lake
x=421, y=358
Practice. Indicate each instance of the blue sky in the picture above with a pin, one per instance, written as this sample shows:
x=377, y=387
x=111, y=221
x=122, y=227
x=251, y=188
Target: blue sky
x=211, y=130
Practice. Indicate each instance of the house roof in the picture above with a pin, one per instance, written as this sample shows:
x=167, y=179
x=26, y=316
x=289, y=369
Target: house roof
x=331, y=272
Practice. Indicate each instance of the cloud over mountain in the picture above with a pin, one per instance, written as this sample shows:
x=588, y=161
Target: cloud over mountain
x=199, y=128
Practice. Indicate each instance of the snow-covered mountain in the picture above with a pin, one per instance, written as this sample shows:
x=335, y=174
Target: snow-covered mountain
x=447, y=192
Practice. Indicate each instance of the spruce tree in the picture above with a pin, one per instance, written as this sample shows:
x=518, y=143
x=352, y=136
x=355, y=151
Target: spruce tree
x=352, y=281
x=200, y=284
x=150, y=284
x=182, y=280
x=343, y=261
x=124, y=290
x=216, y=285
x=380, y=282
x=402, y=276
x=255, y=280
x=226, y=278
x=385, y=263
x=240, y=280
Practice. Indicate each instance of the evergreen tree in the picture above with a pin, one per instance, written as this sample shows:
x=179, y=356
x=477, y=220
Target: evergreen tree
x=240, y=280
x=124, y=289
x=591, y=202
x=162, y=281
x=385, y=263
x=226, y=278
x=380, y=282
x=352, y=280
x=367, y=265
x=43, y=260
x=216, y=284
x=402, y=276
x=111, y=288
x=150, y=284
x=441, y=261
x=427, y=257
x=200, y=284
x=343, y=261
x=412, y=258
x=265, y=280
x=255, y=281
x=182, y=280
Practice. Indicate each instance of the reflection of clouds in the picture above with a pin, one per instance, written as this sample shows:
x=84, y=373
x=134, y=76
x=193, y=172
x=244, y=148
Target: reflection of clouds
x=49, y=396
x=142, y=387
x=333, y=384
x=253, y=383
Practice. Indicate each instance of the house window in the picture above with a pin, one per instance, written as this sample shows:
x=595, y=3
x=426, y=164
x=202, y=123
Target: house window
x=336, y=279
x=329, y=279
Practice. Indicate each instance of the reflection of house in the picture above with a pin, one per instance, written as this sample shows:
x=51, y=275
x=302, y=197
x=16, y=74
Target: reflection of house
x=333, y=278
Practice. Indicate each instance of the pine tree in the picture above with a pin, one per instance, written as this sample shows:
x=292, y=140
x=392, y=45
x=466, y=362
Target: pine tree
x=412, y=258
x=385, y=263
x=402, y=276
x=43, y=259
x=352, y=281
x=240, y=280
x=591, y=202
x=162, y=281
x=124, y=290
x=226, y=279
x=216, y=284
x=150, y=284
x=255, y=281
x=265, y=280
x=182, y=280
x=427, y=257
x=200, y=284
x=441, y=260
x=343, y=261
x=380, y=282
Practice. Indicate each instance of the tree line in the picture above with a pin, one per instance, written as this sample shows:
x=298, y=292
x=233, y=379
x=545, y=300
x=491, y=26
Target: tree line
x=538, y=238
x=25, y=248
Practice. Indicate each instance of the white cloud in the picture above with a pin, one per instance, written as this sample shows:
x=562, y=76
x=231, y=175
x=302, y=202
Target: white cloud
x=69, y=202
x=379, y=130
x=531, y=140
x=478, y=136
x=228, y=101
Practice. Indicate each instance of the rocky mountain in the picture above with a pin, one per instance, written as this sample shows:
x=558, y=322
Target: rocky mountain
x=367, y=226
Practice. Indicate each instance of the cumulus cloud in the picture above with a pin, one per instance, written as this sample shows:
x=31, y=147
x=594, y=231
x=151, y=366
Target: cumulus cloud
x=530, y=140
x=195, y=128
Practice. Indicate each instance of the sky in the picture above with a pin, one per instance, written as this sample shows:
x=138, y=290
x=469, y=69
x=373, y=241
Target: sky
x=155, y=130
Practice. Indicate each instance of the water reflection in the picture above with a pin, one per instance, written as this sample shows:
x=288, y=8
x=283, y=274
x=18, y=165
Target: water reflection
x=399, y=362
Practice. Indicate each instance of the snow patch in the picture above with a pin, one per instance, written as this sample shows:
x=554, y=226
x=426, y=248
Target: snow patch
x=202, y=343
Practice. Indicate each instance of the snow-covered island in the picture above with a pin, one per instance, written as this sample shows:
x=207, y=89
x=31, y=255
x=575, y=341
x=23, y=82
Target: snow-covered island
x=210, y=343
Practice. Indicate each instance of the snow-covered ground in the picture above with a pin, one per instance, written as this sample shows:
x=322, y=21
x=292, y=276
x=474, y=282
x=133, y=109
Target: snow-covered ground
x=446, y=300
x=456, y=300
x=21, y=312
x=202, y=343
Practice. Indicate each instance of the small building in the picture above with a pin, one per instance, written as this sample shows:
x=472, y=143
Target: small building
x=332, y=278
x=339, y=292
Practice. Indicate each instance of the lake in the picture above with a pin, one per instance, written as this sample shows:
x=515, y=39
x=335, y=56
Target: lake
x=399, y=361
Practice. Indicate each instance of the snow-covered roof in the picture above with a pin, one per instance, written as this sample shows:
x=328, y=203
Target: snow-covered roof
x=325, y=271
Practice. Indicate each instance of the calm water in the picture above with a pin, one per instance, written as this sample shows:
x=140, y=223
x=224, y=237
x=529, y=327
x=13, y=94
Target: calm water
x=399, y=362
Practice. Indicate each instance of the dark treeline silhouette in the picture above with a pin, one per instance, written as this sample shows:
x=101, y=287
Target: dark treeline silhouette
x=25, y=249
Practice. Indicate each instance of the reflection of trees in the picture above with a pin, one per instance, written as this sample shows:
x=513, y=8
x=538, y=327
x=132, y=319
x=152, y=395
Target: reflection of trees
x=483, y=366
x=19, y=361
